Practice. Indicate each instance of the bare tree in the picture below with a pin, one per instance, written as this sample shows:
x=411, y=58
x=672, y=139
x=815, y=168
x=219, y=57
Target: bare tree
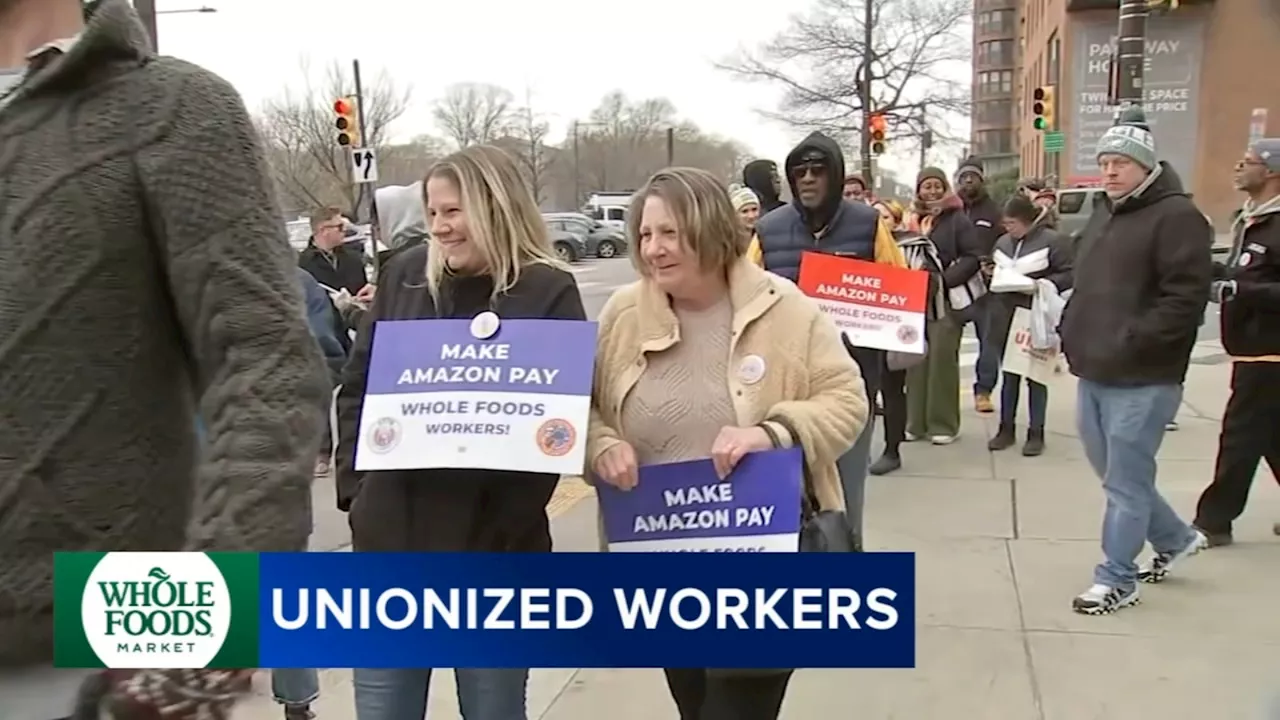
x=624, y=142
x=474, y=113
x=526, y=138
x=302, y=141
x=912, y=43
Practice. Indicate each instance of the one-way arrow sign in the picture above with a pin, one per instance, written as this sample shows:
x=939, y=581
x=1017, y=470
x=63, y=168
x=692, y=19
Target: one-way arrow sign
x=364, y=165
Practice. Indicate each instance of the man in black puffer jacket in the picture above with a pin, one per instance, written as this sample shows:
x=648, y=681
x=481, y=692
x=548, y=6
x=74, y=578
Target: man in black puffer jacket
x=1142, y=278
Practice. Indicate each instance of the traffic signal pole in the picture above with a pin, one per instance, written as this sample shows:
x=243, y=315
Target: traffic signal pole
x=1130, y=59
x=365, y=197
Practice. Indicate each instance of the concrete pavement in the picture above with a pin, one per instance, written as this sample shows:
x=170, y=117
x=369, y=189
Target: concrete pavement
x=1003, y=544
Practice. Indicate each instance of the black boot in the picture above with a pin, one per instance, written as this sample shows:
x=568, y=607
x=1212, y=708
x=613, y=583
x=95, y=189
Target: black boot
x=888, y=462
x=1003, y=440
x=1035, y=443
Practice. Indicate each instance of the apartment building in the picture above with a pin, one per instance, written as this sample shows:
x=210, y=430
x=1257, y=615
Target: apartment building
x=996, y=70
x=1209, y=67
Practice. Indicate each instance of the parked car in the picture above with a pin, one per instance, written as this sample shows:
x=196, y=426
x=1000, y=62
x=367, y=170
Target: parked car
x=600, y=239
x=1077, y=205
x=570, y=247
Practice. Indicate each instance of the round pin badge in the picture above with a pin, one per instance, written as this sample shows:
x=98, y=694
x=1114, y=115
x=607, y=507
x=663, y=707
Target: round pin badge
x=1245, y=259
x=751, y=370
x=485, y=325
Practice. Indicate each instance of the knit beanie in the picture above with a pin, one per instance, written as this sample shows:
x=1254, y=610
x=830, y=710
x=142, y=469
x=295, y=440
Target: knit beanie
x=742, y=197
x=971, y=164
x=935, y=173
x=1131, y=137
x=1267, y=150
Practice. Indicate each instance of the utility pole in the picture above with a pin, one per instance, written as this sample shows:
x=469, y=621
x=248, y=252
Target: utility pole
x=146, y=10
x=926, y=138
x=1131, y=49
x=868, y=58
x=671, y=147
x=365, y=191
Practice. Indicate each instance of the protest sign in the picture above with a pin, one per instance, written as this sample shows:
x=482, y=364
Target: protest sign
x=1022, y=359
x=439, y=397
x=874, y=305
x=686, y=507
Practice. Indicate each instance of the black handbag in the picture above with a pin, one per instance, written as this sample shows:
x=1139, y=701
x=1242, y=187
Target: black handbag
x=824, y=530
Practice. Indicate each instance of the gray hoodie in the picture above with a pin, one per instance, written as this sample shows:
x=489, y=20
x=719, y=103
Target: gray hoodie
x=401, y=215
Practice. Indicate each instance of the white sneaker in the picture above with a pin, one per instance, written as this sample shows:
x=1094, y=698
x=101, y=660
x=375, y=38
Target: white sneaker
x=1103, y=600
x=1157, y=568
x=943, y=439
x=911, y=437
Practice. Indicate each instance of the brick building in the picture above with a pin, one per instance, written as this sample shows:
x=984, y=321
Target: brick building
x=996, y=69
x=1210, y=63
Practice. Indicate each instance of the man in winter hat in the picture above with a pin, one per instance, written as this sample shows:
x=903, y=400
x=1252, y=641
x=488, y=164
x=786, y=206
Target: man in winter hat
x=1248, y=288
x=762, y=177
x=982, y=211
x=1142, y=276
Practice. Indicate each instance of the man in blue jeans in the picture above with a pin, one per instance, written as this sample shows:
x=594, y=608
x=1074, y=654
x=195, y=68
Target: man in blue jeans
x=1142, y=276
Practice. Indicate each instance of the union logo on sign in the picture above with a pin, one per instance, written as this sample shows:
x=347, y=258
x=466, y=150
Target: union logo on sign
x=556, y=437
x=384, y=436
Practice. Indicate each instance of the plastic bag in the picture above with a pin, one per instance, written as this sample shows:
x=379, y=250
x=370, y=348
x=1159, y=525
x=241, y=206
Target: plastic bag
x=1046, y=313
x=1004, y=279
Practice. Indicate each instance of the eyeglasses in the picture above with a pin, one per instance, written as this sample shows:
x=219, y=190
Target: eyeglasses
x=815, y=169
x=332, y=226
x=1242, y=164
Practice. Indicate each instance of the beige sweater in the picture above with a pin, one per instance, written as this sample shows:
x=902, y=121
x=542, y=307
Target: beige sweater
x=811, y=392
x=681, y=401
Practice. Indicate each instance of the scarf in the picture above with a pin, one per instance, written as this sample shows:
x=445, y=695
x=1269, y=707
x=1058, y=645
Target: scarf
x=927, y=211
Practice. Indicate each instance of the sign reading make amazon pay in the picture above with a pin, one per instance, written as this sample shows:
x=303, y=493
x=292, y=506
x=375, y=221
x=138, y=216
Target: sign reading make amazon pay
x=502, y=395
x=243, y=610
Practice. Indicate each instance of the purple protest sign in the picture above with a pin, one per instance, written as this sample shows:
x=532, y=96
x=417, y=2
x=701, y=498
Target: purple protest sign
x=518, y=399
x=685, y=507
x=524, y=356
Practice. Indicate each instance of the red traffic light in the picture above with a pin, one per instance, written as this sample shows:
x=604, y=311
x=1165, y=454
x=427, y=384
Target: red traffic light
x=342, y=107
x=877, y=122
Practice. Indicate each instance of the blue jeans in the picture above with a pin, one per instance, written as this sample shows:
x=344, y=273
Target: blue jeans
x=402, y=694
x=1121, y=429
x=295, y=686
x=987, y=370
x=853, y=466
x=1037, y=401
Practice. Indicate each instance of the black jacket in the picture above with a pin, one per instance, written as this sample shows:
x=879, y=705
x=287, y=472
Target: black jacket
x=1044, y=254
x=1251, y=319
x=445, y=510
x=985, y=216
x=343, y=268
x=1142, y=278
x=957, y=243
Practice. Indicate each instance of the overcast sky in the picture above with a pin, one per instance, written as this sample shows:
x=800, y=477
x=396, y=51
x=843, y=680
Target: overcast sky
x=568, y=52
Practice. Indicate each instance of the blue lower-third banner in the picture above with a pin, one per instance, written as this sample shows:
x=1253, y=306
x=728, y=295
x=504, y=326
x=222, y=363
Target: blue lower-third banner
x=587, y=610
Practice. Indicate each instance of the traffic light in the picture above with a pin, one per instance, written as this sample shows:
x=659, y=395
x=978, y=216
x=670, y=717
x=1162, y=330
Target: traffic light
x=348, y=122
x=877, y=133
x=1042, y=102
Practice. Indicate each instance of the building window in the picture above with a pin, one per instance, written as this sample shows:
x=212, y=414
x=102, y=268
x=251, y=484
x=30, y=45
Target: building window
x=995, y=52
x=996, y=22
x=995, y=112
x=995, y=142
x=995, y=82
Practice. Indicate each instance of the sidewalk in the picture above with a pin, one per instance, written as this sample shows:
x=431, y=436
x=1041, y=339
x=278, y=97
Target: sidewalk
x=1004, y=543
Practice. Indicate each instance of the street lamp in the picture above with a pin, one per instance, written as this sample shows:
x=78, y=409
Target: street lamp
x=202, y=9
x=147, y=11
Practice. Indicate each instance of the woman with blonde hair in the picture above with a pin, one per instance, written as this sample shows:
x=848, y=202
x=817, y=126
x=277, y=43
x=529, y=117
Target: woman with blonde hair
x=709, y=356
x=488, y=251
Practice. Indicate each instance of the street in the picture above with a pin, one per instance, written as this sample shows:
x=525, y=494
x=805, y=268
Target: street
x=1003, y=543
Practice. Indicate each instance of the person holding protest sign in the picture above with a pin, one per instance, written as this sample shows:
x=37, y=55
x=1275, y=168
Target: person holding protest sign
x=707, y=355
x=1033, y=252
x=490, y=259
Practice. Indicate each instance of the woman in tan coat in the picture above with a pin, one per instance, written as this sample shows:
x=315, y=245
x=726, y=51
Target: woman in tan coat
x=710, y=356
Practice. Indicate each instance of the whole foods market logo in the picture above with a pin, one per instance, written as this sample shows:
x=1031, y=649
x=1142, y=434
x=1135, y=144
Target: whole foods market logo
x=153, y=610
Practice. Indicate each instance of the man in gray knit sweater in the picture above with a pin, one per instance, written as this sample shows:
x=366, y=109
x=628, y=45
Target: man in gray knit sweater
x=143, y=268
